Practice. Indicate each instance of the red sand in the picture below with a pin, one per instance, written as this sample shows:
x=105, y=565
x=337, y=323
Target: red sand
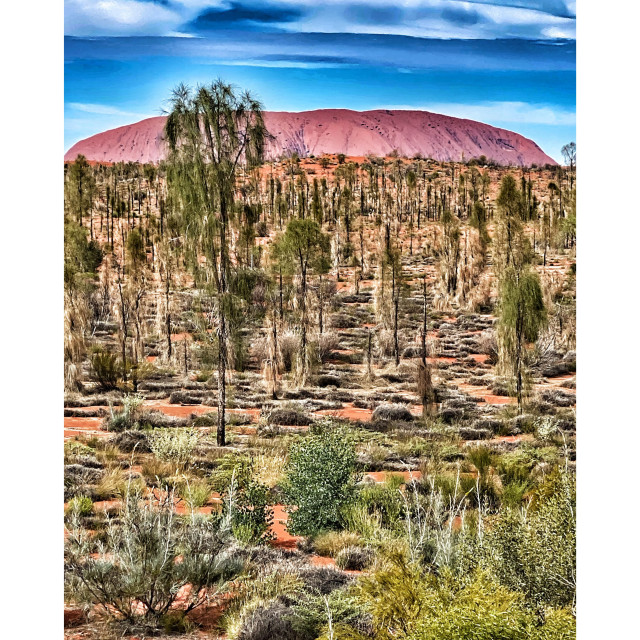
x=178, y=410
x=492, y=399
x=283, y=538
x=438, y=359
x=381, y=476
x=484, y=393
x=348, y=412
x=76, y=427
x=82, y=424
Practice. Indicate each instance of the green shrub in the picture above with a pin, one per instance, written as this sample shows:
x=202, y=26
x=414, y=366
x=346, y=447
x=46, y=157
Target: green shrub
x=81, y=256
x=251, y=514
x=384, y=499
x=195, y=493
x=80, y=506
x=252, y=595
x=319, y=481
x=331, y=543
x=419, y=605
x=467, y=488
x=559, y=624
x=311, y=614
x=175, y=622
x=481, y=457
x=513, y=493
x=105, y=369
x=357, y=518
x=203, y=376
x=228, y=466
x=74, y=450
x=513, y=471
x=127, y=417
x=280, y=604
x=246, y=506
x=534, y=553
x=174, y=445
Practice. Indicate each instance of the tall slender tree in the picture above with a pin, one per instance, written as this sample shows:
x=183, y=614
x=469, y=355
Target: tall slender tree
x=211, y=132
x=522, y=315
x=80, y=186
x=303, y=250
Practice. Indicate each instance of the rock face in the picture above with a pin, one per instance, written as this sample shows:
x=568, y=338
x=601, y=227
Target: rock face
x=354, y=133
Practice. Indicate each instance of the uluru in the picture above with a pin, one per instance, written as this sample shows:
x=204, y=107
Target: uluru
x=324, y=131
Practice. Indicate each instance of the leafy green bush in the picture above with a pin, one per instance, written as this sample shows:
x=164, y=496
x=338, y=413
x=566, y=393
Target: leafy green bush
x=319, y=481
x=81, y=256
x=229, y=466
x=513, y=494
x=80, y=506
x=251, y=515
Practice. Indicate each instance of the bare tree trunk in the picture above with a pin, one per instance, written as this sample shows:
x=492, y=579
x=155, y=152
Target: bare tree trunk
x=320, y=303
x=281, y=306
x=394, y=289
x=123, y=322
x=168, y=318
x=222, y=387
x=369, y=356
x=274, y=394
x=222, y=325
x=304, y=323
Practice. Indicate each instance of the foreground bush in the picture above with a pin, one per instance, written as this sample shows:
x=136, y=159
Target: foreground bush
x=174, y=445
x=534, y=552
x=285, y=600
x=147, y=560
x=418, y=605
x=245, y=501
x=319, y=480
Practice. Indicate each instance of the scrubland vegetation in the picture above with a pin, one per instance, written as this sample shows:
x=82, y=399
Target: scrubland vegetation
x=320, y=398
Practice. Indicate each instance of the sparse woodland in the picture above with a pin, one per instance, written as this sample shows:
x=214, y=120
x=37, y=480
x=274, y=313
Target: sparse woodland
x=317, y=398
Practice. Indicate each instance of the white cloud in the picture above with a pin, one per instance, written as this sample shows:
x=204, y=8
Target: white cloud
x=100, y=109
x=419, y=18
x=131, y=17
x=501, y=112
x=560, y=32
x=435, y=18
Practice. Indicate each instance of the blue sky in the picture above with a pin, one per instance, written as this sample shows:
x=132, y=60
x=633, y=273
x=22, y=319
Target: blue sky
x=510, y=63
